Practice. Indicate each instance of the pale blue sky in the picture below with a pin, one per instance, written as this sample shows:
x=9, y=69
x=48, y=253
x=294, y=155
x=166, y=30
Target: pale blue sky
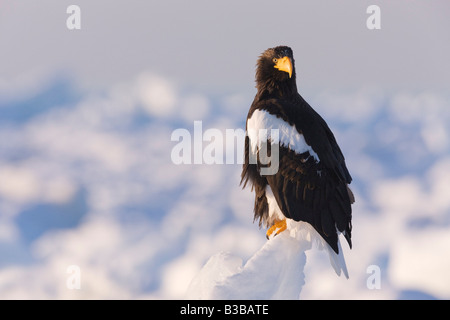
x=214, y=45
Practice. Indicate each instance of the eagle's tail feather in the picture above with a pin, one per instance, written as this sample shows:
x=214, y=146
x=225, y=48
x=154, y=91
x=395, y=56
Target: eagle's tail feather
x=304, y=232
x=337, y=260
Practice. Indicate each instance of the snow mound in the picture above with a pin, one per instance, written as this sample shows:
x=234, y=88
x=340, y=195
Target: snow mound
x=273, y=272
x=276, y=271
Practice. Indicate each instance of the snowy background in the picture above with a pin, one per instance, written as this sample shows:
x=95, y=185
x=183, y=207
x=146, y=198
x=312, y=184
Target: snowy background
x=86, y=117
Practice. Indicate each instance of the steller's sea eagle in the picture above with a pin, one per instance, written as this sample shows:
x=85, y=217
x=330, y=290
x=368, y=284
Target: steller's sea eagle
x=311, y=182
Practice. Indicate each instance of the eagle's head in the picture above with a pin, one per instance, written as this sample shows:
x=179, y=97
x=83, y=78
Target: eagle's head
x=276, y=63
x=275, y=67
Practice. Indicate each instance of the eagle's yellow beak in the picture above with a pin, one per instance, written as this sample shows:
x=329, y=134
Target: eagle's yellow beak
x=284, y=64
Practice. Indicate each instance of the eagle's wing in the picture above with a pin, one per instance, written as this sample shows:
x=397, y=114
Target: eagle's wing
x=306, y=191
x=305, y=187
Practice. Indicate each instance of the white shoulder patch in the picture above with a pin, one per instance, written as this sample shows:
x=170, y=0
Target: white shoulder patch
x=259, y=130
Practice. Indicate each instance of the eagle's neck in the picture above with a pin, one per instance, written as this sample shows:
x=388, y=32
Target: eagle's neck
x=277, y=89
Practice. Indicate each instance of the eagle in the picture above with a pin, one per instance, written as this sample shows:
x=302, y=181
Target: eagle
x=310, y=183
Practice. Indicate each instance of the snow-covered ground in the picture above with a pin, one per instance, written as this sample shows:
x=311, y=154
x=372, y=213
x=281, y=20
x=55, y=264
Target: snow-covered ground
x=274, y=272
x=87, y=180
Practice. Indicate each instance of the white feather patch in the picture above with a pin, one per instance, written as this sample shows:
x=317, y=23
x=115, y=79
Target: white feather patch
x=259, y=129
x=274, y=210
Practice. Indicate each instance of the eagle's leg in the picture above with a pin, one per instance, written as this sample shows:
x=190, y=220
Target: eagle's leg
x=278, y=227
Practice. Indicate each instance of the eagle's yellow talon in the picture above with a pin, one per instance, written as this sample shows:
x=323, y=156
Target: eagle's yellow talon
x=278, y=227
